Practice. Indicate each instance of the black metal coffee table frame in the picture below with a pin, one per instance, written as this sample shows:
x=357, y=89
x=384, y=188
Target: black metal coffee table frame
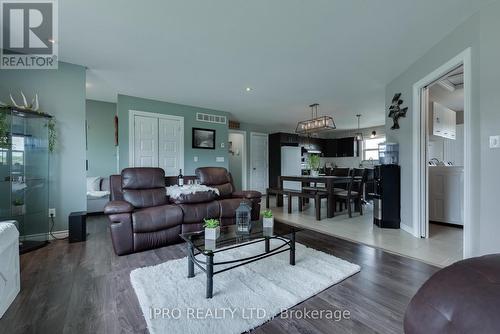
x=208, y=265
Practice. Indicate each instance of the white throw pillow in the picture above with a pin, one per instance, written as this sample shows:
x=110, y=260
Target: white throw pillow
x=93, y=183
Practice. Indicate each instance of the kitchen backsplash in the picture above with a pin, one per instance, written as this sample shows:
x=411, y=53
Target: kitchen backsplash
x=352, y=162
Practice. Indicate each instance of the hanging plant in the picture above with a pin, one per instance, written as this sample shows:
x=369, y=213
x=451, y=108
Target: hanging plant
x=52, y=135
x=4, y=130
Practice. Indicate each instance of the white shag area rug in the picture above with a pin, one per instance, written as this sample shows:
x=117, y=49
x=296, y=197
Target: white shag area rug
x=243, y=298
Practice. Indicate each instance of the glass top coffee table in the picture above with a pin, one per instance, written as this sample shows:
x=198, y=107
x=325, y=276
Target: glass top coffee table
x=229, y=239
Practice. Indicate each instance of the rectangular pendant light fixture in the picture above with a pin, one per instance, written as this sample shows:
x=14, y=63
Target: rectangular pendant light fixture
x=316, y=123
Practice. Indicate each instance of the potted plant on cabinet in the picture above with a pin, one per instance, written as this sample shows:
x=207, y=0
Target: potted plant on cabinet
x=212, y=228
x=268, y=219
x=314, y=163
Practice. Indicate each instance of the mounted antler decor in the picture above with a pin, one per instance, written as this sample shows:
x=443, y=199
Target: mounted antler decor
x=33, y=106
x=395, y=111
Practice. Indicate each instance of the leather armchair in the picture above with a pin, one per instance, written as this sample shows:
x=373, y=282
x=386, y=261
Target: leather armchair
x=461, y=298
x=140, y=214
x=220, y=178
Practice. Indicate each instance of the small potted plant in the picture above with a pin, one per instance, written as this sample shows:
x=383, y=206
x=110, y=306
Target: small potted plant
x=314, y=162
x=212, y=228
x=267, y=220
x=18, y=207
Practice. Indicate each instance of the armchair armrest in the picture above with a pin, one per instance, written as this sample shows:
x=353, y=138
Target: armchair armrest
x=117, y=207
x=249, y=194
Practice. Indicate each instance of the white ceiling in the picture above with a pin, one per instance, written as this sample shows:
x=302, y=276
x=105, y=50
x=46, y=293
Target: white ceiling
x=339, y=53
x=453, y=100
x=450, y=99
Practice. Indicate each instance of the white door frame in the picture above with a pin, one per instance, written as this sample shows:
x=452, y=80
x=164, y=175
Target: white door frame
x=420, y=120
x=267, y=156
x=244, y=169
x=131, y=133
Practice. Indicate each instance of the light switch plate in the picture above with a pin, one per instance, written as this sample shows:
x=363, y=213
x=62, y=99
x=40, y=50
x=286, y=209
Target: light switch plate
x=494, y=141
x=222, y=145
x=195, y=158
x=219, y=159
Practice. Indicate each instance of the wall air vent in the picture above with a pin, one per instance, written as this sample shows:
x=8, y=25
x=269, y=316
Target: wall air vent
x=209, y=118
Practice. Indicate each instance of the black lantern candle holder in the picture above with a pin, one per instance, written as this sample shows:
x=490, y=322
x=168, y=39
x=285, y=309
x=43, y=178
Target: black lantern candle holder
x=243, y=218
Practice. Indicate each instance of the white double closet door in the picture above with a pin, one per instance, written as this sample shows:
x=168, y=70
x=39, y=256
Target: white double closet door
x=158, y=141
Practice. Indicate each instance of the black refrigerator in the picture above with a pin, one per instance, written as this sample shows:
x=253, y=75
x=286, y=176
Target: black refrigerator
x=387, y=197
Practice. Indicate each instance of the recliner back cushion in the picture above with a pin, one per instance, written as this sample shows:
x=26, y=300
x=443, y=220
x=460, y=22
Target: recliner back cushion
x=143, y=178
x=217, y=177
x=144, y=186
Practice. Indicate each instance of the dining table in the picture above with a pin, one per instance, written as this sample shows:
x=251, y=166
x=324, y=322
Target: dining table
x=329, y=180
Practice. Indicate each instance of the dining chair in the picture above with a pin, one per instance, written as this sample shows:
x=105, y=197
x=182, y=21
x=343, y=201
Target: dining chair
x=340, y=187
x=354, y=192
x=340, y=171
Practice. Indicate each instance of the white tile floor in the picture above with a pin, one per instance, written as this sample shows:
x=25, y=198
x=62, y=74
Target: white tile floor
x=442, y=248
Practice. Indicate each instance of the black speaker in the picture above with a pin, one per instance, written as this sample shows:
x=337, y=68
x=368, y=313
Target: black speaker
x=77, y=226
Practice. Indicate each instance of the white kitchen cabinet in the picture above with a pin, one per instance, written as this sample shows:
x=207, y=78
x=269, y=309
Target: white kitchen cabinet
x=454, y=149
x=444, y=122
x=446, y=193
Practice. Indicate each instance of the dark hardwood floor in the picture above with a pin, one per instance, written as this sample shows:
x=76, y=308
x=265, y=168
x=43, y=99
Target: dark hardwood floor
x=85, y=288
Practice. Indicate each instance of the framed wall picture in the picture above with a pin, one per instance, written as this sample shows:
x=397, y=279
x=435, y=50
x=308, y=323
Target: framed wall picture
x=204, y=138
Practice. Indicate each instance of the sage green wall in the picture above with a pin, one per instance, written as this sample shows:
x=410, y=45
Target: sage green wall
x=205, y=157
x=480, y=33
x=101, y=150
x=62, y=94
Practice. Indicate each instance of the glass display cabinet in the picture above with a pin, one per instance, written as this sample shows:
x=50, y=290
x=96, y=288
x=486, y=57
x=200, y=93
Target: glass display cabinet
x=24, y=174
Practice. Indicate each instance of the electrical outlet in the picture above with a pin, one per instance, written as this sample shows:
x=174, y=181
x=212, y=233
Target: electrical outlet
x=195, y=159
x=494, y=141
x=219, y=159
x=52, y=212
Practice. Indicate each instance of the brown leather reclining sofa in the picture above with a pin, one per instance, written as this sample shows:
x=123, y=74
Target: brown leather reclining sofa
x=143, y=217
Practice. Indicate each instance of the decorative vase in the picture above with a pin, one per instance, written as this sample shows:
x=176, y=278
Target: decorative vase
x=268, y=222
x=315, y=173
x=212, y=233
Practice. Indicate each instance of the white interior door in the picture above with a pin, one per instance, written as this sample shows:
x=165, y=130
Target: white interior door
x=157, y=140
x=169, y=134
x=145, y=141
x=259, y=166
